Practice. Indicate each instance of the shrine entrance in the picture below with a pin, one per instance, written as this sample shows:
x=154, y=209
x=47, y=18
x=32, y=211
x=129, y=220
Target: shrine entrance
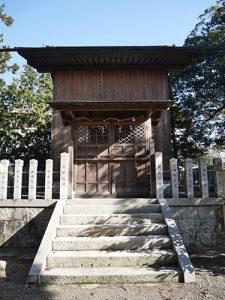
x=111, y=158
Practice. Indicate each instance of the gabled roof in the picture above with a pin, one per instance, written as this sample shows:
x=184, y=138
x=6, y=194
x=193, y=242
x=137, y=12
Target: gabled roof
x=49, y=58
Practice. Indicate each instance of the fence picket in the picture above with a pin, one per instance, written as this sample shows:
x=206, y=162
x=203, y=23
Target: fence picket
x=64, y=171
x=159, y=175
x=17, y=193
x=189, y=178
x=4, y=166
x=48, y=179
x=217, y=167
x=174, y=178
x=32, y=187
x=204, y=178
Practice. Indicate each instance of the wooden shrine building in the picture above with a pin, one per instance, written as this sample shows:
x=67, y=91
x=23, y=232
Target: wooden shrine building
x=112, y=104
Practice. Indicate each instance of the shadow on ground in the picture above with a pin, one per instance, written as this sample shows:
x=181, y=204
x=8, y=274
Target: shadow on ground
x=209, y=260
x=18, y=264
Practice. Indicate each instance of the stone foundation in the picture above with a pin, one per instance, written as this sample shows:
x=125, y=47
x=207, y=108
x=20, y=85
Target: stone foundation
x=200, y=225
x=23, y=226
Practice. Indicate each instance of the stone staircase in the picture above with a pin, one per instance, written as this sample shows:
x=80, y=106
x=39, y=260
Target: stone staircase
x=111, y=241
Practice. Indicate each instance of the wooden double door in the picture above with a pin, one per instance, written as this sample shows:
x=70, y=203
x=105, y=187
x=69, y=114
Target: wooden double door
x=111, y=158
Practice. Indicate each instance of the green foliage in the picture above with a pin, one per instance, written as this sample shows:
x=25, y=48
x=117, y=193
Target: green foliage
x=26, y=116
x=7, y=20
x=198, y=118
x=5, y=56
x=24, y=109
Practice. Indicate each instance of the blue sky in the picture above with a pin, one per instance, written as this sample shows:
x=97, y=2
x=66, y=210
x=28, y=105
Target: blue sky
x=100, y=22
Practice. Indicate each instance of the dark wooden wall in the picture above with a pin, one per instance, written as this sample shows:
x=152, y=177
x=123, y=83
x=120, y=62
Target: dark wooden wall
x=110, y=85
x=114, y=84
x=60, y=138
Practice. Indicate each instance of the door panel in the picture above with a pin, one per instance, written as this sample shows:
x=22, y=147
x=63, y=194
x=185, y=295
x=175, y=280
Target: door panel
x=111, y=159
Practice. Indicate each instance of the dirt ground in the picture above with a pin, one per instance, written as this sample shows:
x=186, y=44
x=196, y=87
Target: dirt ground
x=210, y=273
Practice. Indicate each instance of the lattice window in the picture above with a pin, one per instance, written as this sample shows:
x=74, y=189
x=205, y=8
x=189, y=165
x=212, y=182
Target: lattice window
x=93, y=134
x=133, y=134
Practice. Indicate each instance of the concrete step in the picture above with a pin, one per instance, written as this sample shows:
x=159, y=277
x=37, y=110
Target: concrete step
x=62, y=276
x=110, y=229
x=71, y=259
x=111, y=243
x=112, y=201
x=112, y=209
x=84, y=219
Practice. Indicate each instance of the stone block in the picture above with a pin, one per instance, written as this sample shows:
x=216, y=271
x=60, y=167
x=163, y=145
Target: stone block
x=206, y=212
x=23, y=226
x=187, y=225
x=12, y=213
x=177, y=212
x=2, y=269
x=206, y=239
x=208, y=225
x=190, y=212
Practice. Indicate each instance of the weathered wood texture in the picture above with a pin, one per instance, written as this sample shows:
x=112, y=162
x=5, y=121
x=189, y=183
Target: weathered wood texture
x=118, y=85
x=162, y=138
x=60, y=138
x=115, y=165
x=110, y=85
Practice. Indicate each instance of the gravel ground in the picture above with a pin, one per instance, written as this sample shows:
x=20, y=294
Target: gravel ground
x=210, y=271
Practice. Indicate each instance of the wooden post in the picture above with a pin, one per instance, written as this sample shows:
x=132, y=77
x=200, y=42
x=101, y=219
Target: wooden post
x=32, y=189
x=64, y=172
x=70, y=179
x=48, y=179
x=18, y=179
x=204, y=178
x=174, y=178
x=189, y=178
x=4, y=166
x=159, y=175
x=217, y=167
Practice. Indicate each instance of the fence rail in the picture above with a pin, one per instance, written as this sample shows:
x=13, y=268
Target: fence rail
x=188, y=182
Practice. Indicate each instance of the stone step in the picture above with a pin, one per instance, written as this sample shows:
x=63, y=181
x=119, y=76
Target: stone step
x=112, y=201
x=111, y=209
x=111, y=243
x=71, y=259
x=84, y=219
x=110, y=229
x=63, y=276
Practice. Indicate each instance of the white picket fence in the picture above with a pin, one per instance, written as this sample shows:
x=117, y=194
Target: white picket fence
x=32, y=179
x=161, y=184
x=203, y=178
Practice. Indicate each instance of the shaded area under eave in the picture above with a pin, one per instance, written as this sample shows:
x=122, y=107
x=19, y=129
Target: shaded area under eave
x=140, y=110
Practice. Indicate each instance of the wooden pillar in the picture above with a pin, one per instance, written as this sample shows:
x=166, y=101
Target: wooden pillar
x=162, y=138
x=151, y=163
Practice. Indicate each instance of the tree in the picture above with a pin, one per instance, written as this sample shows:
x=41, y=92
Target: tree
x=5, y=56
x=198, y=118
x=25, y=113
x=26, y=116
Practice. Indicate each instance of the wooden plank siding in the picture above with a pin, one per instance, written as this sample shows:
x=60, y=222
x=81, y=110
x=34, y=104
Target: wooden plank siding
x=110, y=85
x=60, y=138
x=107, y=84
